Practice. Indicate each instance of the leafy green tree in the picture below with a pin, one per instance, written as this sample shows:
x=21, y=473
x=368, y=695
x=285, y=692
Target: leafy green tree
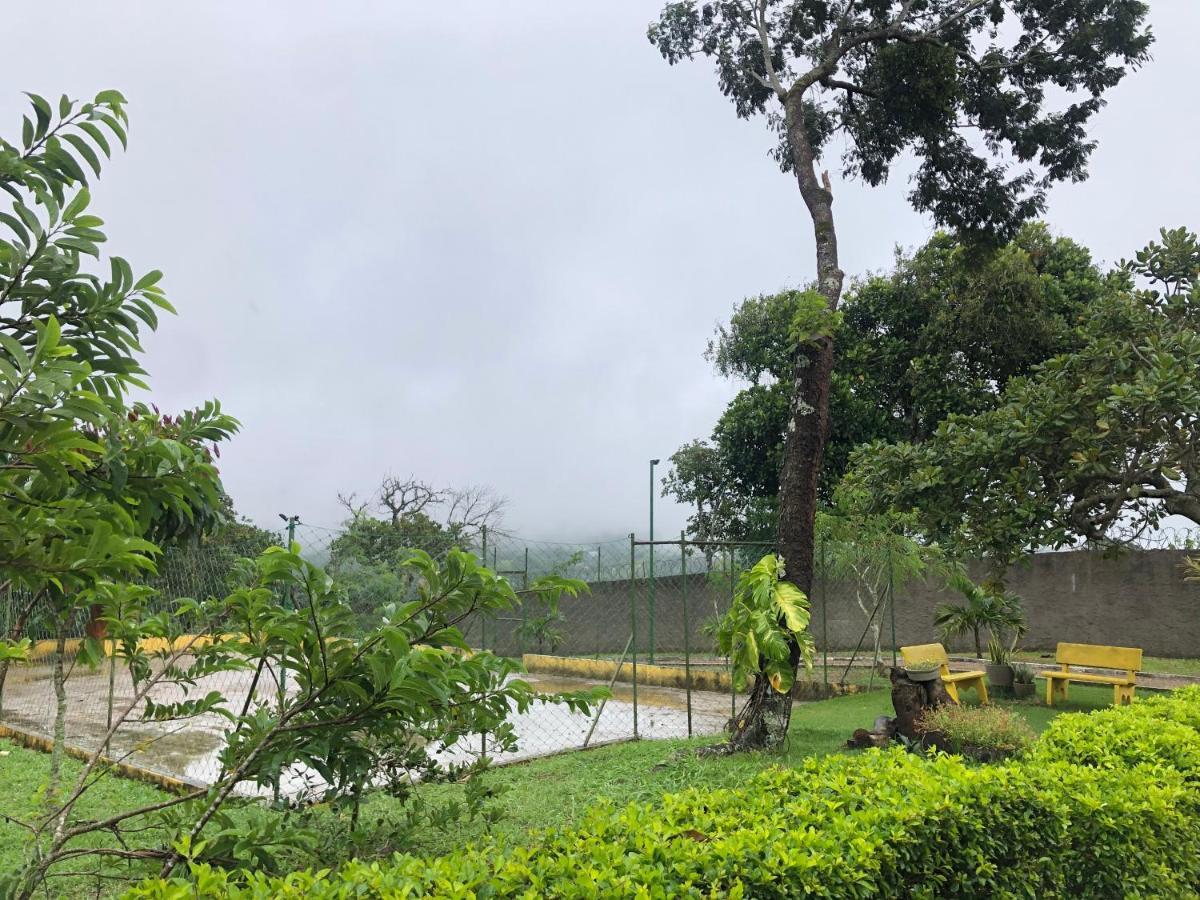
x=90, y=483
x=366, y=557
x=941, y=333
x=869, y=555
x=366, y=709
x=893, y=77
x=1097, y=444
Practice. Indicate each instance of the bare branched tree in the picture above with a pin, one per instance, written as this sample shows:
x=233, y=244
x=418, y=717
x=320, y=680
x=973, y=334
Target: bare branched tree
x=473, y=508
x=466, y=510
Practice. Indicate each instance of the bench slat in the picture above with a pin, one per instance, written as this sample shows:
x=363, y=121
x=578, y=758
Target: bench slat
x=962, y=676
x=1100, y=656
x=1087, y=676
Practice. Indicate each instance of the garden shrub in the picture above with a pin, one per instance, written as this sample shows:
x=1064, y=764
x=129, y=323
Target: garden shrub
x=976, y=730
x=1145, y=734
x=1104, y=805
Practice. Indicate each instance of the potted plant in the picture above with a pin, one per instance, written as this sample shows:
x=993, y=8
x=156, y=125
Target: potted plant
x=1023, y=683
x=923, y=669
x=999, y=672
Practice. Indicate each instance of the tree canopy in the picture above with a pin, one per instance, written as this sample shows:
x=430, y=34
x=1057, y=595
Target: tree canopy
x=91, y=481
x=942, y=333
x=968, y=87
x=404, y=515
x=1098, y=443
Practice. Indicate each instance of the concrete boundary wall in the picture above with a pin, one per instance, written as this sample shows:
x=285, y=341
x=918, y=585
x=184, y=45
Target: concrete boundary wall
x=1136, y=599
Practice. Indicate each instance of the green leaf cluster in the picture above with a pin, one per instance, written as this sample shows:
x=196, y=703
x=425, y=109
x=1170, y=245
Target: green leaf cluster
x=90, y=482
x=363, y=709
x=1096, y=443
x=767, y=614
x=942, y=333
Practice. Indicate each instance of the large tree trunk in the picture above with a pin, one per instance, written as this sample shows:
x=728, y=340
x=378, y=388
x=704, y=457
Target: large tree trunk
x=808, y=424
x=765, y=717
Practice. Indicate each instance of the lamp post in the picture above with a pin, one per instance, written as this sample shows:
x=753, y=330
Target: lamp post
x=653, y=463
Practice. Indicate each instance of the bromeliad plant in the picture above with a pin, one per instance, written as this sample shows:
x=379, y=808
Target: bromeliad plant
x=765, y=633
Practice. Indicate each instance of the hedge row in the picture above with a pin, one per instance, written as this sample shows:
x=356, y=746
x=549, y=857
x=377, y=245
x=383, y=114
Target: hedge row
x=1105, y=805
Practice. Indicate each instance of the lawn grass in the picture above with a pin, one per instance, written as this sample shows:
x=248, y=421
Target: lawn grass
x=538, y=794
x=23, y=777
x=551, y=793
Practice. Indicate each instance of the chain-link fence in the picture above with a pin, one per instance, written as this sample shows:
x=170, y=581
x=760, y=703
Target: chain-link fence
x=645, y=608
x=643, y=629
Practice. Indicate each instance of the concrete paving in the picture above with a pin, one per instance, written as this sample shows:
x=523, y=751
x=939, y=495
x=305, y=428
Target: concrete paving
x=189, y=750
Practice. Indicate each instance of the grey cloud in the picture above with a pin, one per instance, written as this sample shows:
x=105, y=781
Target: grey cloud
x=483, y=242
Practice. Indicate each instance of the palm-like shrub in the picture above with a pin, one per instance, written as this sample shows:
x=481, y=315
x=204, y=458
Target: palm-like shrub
x=998, y=613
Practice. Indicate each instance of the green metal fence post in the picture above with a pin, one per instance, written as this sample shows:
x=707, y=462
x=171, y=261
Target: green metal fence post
x=650, y=637
x=633, y=629
x=292, y=521
x=824, y=614
x=599, y=577
x=687, y=630
x=732, y=686
x=891, y=603
x=524, y=609
x=483, y=642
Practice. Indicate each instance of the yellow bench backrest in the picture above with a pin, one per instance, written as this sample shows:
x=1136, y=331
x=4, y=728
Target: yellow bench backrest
x=926, y=651
x=1099, y=656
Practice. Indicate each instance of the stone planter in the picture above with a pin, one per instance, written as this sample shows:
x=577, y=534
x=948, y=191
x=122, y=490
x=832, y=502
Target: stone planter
x=923, y=675
x=1023, y=690
x=1000, y=676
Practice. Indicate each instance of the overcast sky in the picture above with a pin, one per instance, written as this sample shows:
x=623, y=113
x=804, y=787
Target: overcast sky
x=484, y=242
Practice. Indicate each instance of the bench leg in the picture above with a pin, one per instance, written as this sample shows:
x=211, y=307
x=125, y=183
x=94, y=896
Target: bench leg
x=1055, y=687
x=1122, y=694
x=951, y=689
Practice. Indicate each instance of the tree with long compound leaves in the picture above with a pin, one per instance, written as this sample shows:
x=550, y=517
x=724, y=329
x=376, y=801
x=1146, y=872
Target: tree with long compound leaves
x=967, y=87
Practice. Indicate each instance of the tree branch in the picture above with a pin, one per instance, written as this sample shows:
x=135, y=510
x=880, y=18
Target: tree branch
x=760, y=22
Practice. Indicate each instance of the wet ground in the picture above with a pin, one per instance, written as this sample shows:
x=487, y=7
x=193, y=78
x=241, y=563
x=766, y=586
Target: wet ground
x=189, y=750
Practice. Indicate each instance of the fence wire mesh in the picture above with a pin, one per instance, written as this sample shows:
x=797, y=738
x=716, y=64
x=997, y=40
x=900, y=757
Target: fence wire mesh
x=642, y=628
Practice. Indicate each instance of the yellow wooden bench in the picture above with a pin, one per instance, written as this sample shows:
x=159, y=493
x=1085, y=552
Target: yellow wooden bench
x=951, y=680
x=1127, y=660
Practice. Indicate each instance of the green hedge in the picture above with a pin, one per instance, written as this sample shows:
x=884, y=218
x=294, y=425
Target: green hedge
x=1105, y=805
